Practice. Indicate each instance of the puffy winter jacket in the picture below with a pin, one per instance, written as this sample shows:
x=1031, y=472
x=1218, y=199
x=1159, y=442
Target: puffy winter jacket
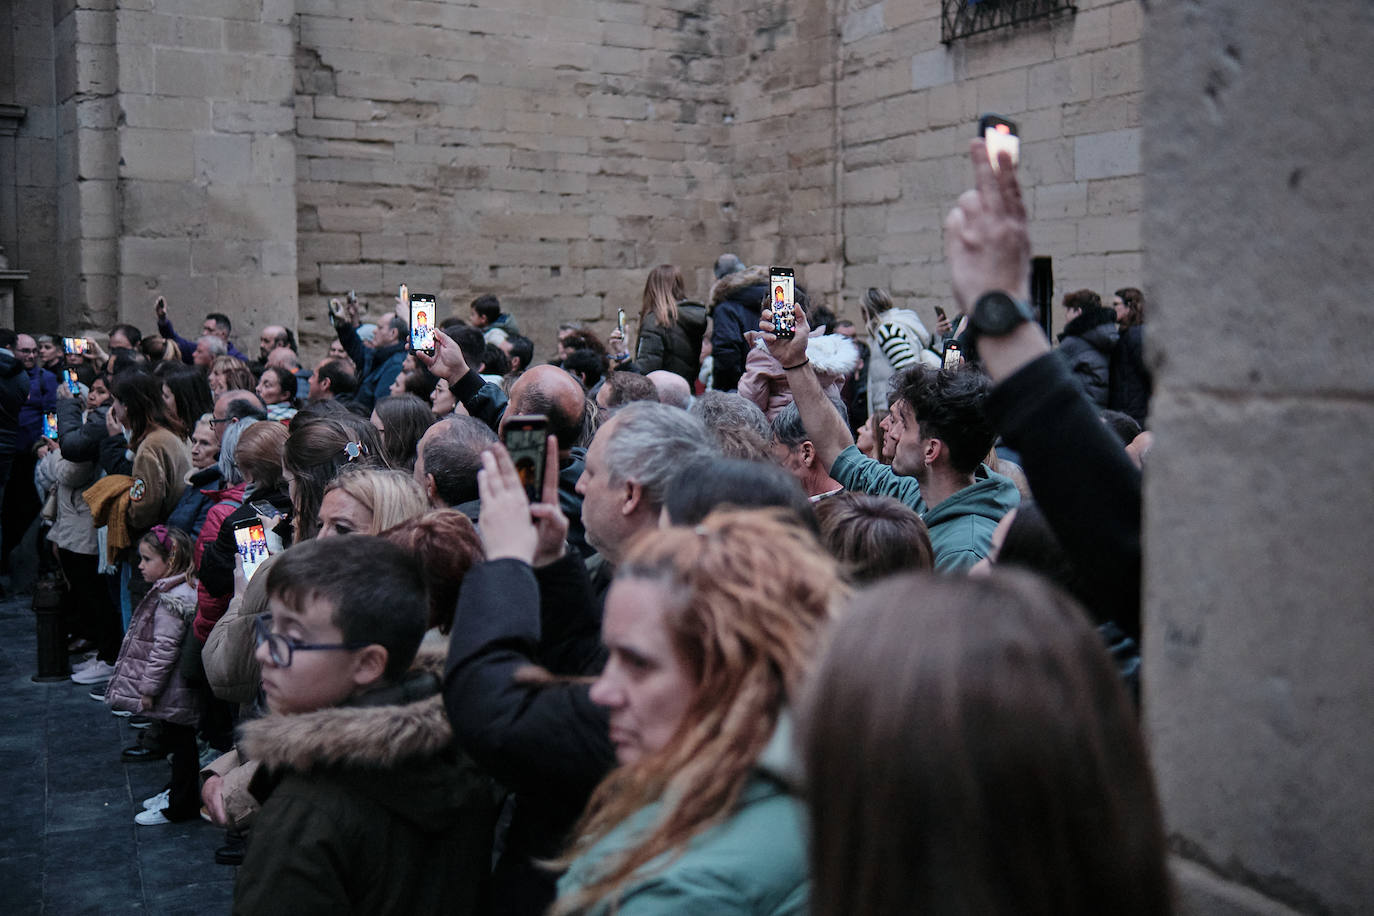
x=1086, y=347
x=676, y=349
x=210, y=608
x=149, y=661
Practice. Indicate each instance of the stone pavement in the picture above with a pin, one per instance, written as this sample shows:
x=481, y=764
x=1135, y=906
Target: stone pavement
x=69, y=843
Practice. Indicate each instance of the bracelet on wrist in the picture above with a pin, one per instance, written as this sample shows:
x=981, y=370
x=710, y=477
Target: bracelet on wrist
x=797, y=366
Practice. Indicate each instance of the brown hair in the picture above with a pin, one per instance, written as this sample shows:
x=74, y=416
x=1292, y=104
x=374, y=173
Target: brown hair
x=259, y=452
x=746, y=627
x=873, y=536
x=1083, y=299
x=662, y=292
x=317, y=447
x=973, y=751
x=1134, y=300
x=237, y=375
x=447, y=546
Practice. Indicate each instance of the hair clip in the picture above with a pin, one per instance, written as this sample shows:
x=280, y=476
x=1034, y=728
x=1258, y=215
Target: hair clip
x=354, y=450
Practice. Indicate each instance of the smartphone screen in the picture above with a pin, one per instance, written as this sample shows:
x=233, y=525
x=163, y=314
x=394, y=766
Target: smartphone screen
x=526, y=439
x=422, y=323
x=620, y=321
x=50, y=425
x=1000, y=135
x=251, y=538
x=954, y=357
x=783, y=301
x=73, y=383
x=69, y=344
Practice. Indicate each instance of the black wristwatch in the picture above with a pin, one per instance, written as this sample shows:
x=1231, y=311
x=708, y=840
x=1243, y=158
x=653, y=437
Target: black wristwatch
x=996, y=314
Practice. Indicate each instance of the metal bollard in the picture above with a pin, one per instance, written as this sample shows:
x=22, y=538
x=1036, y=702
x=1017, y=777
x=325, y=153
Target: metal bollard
x=52, y=641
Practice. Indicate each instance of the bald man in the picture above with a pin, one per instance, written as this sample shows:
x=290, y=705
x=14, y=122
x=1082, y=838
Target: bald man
x=551, y=391
x=673, y=389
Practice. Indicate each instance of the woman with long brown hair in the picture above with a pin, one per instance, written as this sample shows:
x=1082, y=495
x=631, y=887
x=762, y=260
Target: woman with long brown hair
x=710, y=631
x=969, y=748
x=670, y=326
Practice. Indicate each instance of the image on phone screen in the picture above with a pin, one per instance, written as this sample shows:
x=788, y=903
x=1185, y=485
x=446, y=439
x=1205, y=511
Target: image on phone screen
x=1001, y=136
x=251, y=539
x=422, y=323
x=50, y=425
x=954, y=357
x=73, y=383
x=526, y=440
x=783, y=301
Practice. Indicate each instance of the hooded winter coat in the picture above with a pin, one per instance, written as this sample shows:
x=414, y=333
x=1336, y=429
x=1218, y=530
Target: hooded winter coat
x=367, y=807
x=960, y=526
x=210, y=608
x=676, y=349
x=189, y=514
x=832, y=356
x=1086, y=346
x=736, y=300
x=149, y=661
x=1131, y=384
x=899, y=340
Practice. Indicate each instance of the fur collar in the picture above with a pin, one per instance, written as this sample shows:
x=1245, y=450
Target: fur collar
x=731, y=285
x=1088, y=320
x=833, y=354
x=377, y=736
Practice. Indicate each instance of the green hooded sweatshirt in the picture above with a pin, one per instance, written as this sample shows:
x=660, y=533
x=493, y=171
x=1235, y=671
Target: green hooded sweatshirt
x=960, y=527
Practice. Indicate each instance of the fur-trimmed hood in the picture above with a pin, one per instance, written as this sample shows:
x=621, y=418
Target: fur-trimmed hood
x=378, y=730
x=1097, y=327
x=832, y=354
x=738, y=287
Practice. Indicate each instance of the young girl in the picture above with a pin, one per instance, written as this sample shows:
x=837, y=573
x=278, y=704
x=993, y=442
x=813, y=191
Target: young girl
x=147, y=676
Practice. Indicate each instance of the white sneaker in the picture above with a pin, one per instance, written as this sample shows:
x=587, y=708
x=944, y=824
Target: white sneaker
x=150, y=818
x=84, y=663
x=95, y=674
x=158, y=801
x=122, y=713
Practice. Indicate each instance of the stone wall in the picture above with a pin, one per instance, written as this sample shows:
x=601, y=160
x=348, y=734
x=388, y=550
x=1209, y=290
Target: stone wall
x=550, y=155
x=1259, y=511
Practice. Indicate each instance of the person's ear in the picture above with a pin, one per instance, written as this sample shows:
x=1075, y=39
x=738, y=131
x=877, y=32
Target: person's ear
x=634, y=496
x=934, y=448
x=369, y=665
x=431, y=490
x=808, y=454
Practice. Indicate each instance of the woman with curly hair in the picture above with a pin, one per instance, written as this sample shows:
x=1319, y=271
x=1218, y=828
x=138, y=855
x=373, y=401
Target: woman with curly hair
x=710, y=631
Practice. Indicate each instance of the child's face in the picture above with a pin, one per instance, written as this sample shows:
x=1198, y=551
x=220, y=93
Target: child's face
x=316, y=678
x=150, y=566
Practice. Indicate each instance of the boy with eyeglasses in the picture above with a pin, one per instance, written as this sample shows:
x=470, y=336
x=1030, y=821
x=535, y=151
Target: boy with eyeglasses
x=367, y=803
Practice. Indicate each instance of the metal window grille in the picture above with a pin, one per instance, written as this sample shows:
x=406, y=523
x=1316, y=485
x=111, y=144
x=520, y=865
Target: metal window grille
x=962, y=18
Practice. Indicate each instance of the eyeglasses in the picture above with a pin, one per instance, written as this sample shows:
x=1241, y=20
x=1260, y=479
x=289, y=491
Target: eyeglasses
x=215, y=421
x=280, y=648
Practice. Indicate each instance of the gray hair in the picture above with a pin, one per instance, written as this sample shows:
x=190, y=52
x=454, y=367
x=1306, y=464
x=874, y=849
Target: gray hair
x=787, y=425
x=728, y=264
x=650, y=442
x=214, y=344
x=228, y=444
x=740, y=429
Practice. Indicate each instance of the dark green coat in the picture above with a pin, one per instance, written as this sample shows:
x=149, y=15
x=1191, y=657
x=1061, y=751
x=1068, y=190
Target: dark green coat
x=369, y=808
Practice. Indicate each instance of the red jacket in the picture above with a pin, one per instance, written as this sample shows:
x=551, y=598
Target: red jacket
x=209, y=608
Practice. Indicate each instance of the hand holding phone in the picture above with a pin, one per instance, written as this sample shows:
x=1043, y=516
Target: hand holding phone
x=954, y=356
x=73, y=383
x=251, y=539
x=422, y=323
x=50, y=426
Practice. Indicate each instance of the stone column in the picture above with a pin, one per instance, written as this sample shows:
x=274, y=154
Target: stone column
x=1259, y=691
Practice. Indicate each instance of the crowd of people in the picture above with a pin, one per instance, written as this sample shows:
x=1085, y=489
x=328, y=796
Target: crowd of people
x=829, y=622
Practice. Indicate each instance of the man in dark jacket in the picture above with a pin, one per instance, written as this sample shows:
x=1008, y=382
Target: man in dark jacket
x=21, y=501
x=368, y=805
x=379, y=364
x=14, y=389
x=216, y=324
x=1087, y=342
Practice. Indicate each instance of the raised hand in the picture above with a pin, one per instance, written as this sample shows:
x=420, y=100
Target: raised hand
x=987, y=244
x=447, y=362
x=508, y=530
x=160, y=308
x=791, y=352
x=549, y=519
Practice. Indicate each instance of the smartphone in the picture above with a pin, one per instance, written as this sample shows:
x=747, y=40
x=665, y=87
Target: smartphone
x=263, y=508
x=422, y=323
x=954, y=357
x=783, y=302
x=940, y=313
x=620, y=321
x=50, y=426
x=73, y=383
x=526, y=438
x=1000, y=135
x=251, y=538
x=74, y=345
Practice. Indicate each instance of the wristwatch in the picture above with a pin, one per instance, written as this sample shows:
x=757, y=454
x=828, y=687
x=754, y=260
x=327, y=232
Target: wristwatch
x=996, y=314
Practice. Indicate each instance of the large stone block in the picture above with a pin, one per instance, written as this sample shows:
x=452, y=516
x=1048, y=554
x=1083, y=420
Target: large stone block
x=1257, y=638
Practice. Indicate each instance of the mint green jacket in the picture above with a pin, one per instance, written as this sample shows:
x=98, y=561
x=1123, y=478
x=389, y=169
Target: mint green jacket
x=752, y=863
